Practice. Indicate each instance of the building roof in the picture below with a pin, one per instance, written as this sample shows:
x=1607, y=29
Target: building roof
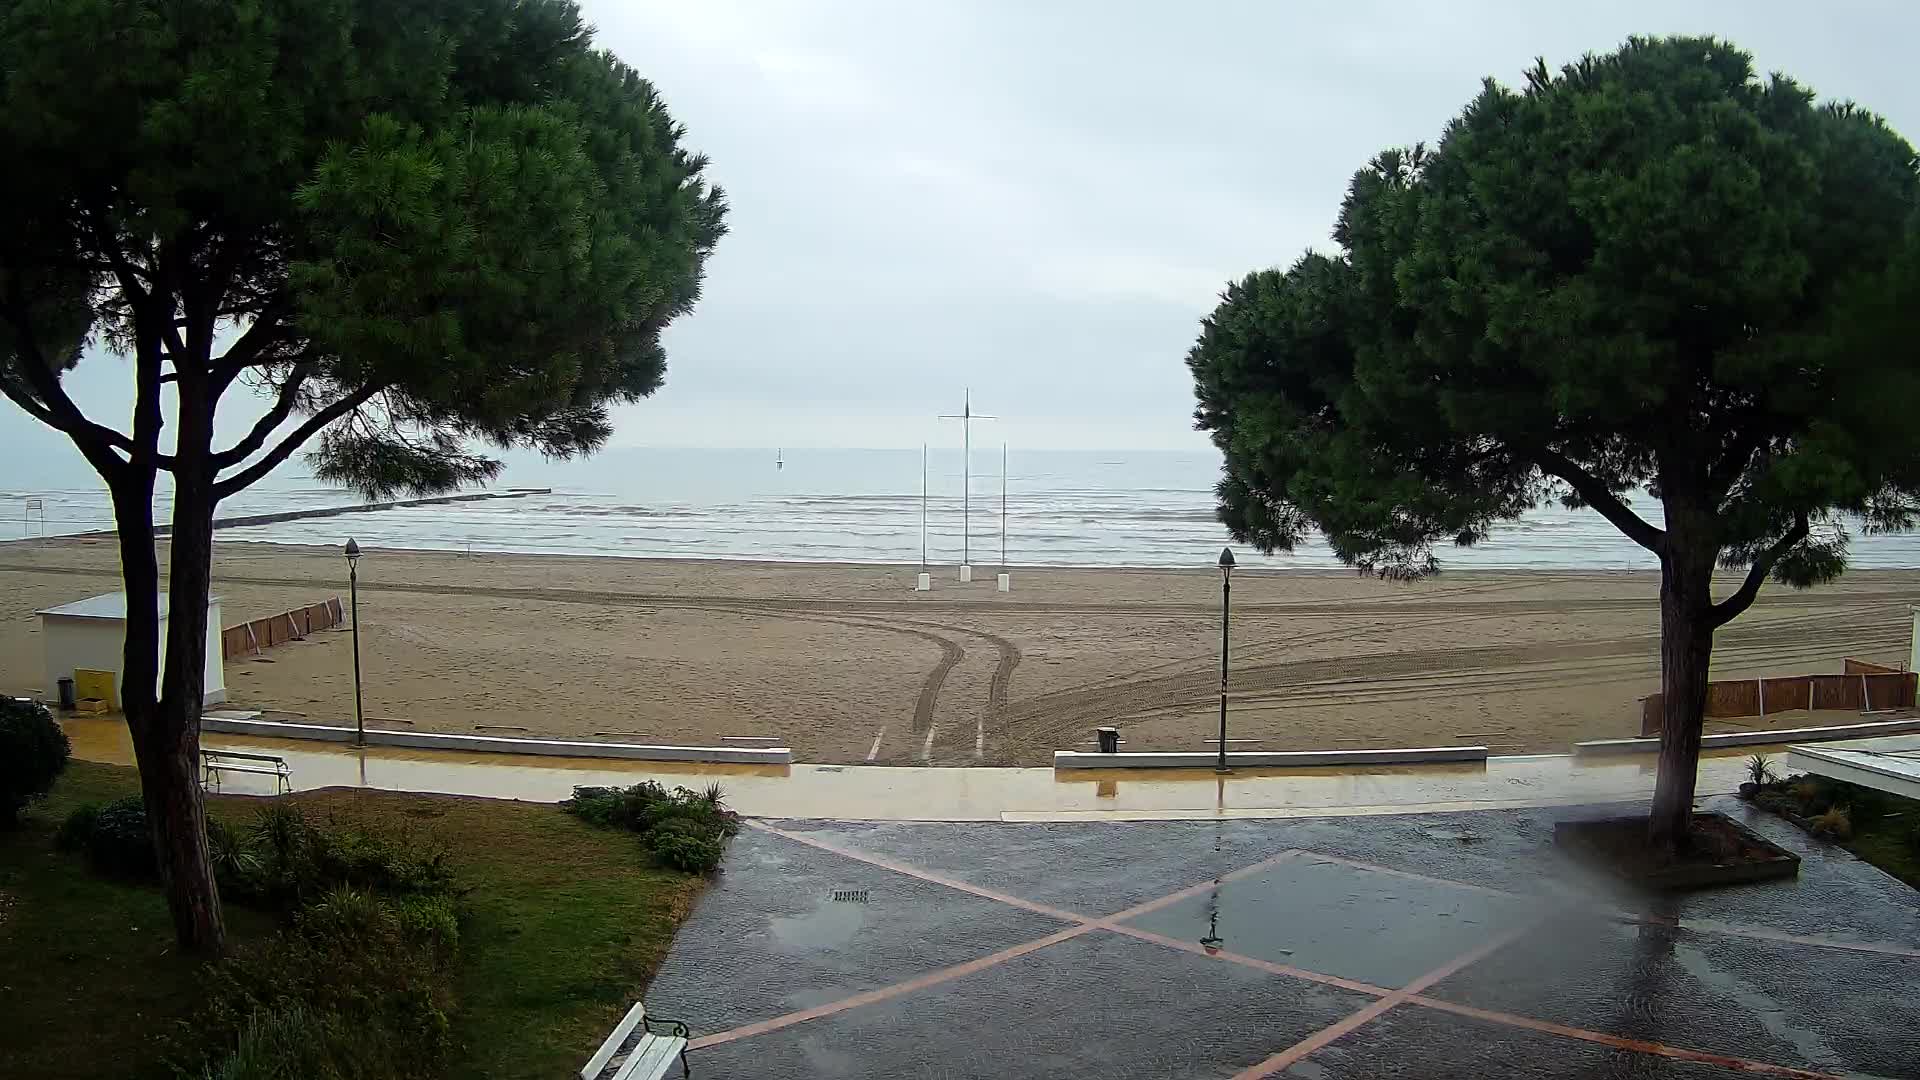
x=1890, y=763
x=111, y=606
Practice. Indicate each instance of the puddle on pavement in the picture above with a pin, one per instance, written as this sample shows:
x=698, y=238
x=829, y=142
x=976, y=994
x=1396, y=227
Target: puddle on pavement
x=1338, y=920
x=831, y=922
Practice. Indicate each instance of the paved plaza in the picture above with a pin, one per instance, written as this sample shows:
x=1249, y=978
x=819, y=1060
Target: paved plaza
x=1431, y=945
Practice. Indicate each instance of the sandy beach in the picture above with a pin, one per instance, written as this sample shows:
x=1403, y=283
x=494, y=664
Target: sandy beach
x=848, y=664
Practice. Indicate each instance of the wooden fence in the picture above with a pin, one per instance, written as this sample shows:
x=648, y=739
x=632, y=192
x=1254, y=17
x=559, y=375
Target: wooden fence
x=248, y=639
x=1864, y=687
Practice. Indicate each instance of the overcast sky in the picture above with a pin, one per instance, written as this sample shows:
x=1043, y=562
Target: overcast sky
x=1041, y=200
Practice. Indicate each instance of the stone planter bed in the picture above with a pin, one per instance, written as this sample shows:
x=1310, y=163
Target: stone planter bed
x=1723, y=852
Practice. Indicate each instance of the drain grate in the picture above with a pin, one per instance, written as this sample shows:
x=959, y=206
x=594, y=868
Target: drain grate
x=850, y=896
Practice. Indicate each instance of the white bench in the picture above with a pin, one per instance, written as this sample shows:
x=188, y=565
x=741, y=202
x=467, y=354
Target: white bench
x=647, y=1057
x=215, y=762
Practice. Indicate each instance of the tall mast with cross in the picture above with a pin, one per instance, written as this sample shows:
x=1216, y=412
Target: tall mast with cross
x=966, y=416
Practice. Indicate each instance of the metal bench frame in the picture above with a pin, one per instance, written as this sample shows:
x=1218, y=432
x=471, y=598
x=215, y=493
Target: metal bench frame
x=215, y=762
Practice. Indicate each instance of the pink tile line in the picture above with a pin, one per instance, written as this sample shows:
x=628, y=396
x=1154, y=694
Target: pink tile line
x=1375, y=1009
x=1082, y=925
x=1636, y=1045
x=1704, y=926
x=1014, y=901
x=931, y=978
x=1254, y=962
x=1407, y=995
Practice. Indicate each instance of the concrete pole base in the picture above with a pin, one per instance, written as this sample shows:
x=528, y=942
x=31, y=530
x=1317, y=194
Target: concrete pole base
x=966, y=573
x=923, y=583
x=1004, y=583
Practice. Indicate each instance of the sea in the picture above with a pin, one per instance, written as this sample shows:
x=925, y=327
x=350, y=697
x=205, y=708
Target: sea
x=1118, y=508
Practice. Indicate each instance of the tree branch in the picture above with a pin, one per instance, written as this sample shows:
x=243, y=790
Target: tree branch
x=176, y=345
x=263, y=332
x=1726, y=610
x=286, y=447
x=1595, y=494
x=123, y=269
x=283, y=407
x=1726, y=472
x=55, y=408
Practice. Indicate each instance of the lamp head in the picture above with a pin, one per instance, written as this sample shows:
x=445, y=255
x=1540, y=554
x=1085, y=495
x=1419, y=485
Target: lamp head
x=1226, y=561
x=353, y=551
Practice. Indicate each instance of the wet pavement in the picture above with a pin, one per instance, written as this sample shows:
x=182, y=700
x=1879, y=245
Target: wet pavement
x=1418, y=945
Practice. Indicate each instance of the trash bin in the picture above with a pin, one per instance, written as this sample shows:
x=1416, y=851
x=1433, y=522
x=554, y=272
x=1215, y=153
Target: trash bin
x=1109, y=739
x=67, y=699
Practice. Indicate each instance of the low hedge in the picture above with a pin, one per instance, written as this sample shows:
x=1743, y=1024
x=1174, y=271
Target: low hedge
x=681, y=828
x=33, y=753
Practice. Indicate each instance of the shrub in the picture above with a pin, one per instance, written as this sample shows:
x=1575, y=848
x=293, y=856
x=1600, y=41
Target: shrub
x=1760, y=770
x=685, y=829
x=33, y=752
x=361, y=983
x=299, y=861
x=687, y=845
x=77, y=829
x=279, y=829
x=235, y=864
x=345, y=918
x=373, y=1005
x=1811, y=796
x=430, y=921
x=389, y=862
x=277, y=1044
x=617, y=808
x=1835, y=823
x=120, y=843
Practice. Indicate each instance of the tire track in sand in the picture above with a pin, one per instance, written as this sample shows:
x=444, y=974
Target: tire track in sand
x=998, y=688
x=951, y=653
x=1043, y=720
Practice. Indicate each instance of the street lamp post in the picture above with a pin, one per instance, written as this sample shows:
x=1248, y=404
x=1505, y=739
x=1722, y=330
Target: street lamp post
x=353, y=594
x=1226, y=601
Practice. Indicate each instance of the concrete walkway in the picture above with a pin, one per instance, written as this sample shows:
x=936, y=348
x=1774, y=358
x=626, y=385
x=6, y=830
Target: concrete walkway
x=1429, y=945
x=885, y=793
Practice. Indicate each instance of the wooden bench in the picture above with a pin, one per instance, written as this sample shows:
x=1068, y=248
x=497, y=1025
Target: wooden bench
x=215, y=762
x=647, y=1057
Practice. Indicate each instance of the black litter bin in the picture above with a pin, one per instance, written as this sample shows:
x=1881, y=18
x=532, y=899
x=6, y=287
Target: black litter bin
x=1109, y=739
x=67, y=700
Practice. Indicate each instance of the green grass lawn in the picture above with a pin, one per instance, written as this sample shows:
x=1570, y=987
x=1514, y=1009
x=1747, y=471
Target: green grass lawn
x=1882, y=828
x=1891, y=844
x=566, y=924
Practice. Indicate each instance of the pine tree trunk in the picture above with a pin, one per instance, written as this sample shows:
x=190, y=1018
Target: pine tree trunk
x=165, y=737
x=1686, y=653
x=168, y=752
x=170, y=762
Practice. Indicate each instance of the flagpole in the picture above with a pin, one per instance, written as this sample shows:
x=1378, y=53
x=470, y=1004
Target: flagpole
x=966, y=417
x=1003, y=507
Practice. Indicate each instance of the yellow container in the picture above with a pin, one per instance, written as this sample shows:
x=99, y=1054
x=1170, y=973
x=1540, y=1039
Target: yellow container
x=88, y=683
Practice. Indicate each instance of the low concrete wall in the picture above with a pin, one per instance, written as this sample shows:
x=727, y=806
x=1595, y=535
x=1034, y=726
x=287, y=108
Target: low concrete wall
x=1076, y=759
x=1755, y=738
x=490, y=744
